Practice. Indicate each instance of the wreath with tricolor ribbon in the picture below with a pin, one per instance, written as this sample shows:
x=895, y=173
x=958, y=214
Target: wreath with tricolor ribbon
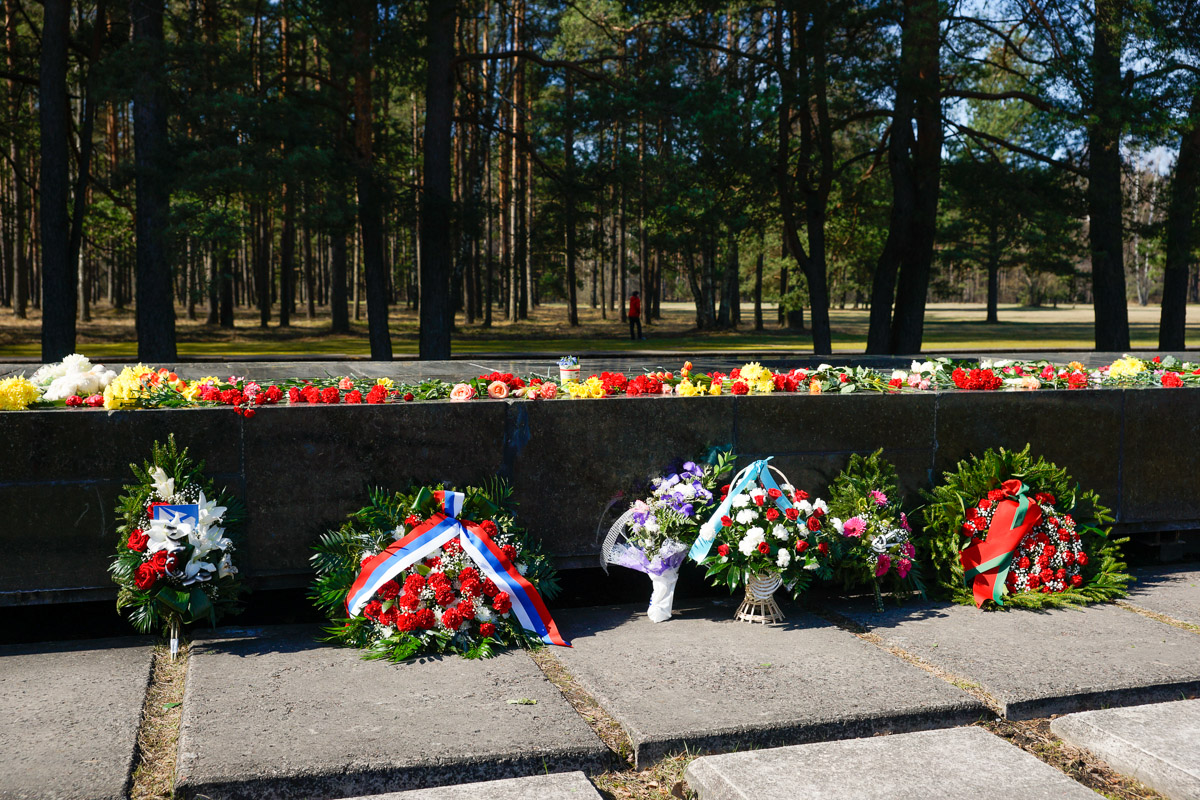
x=1006, y=529
x=434, y=570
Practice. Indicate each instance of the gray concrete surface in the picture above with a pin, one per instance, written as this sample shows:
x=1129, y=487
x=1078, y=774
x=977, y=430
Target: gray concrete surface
x=704, y=681
x=69, y=716
x=1158, y=745
x=1041, y=663
x=1171, y=591
x=271, y=713
x=562, y=786
x=955, y=764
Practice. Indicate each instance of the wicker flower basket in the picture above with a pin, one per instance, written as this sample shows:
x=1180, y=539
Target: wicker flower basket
x=759, y=604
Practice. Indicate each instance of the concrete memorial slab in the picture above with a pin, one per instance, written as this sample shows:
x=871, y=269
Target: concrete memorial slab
x=1171, y=591
x=563, y=786
x=69, y=714
x=1155, y=744
x=955, y=764
x=1053, y=662
x=704, y=681
x=271, y=713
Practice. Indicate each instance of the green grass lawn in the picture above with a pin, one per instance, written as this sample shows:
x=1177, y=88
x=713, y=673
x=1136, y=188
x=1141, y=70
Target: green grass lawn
x=947, y=327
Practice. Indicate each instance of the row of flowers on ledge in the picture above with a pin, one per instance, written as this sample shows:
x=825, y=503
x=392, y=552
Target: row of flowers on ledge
x=76, y=382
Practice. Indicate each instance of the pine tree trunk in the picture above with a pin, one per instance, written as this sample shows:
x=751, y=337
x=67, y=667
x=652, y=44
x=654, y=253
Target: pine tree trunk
x=59, y=285
x=155, y=307
x=436, y=208
x=1181, y=211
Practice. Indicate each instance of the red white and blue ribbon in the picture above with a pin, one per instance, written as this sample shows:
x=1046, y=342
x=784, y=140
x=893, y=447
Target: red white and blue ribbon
x=428, y=538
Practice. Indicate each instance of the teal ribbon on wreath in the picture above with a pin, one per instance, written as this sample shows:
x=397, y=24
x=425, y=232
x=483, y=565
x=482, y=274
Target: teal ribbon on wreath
x=758, y=471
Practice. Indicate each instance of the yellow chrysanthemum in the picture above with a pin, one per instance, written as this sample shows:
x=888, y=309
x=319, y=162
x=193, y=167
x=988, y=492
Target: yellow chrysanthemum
x=126, y=389
x=1128, y=367
x=752, y=372
x=763, y=385
x=17, y=393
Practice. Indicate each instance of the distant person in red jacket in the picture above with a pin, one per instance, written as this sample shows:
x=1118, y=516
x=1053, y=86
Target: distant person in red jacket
x=635, y=317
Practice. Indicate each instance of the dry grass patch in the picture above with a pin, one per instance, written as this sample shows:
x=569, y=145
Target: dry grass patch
x=1034, y=736
x=158, y=734
x=1163, y=618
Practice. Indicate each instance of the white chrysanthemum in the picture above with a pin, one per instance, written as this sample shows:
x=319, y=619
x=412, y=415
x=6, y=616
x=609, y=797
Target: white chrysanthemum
x=779, y=532
x=746, y=516
x=783, y=558
x=751, y=541
x=483, y=613
x=741, y=501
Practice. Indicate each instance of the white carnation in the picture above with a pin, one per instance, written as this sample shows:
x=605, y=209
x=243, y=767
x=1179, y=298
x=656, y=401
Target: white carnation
x=805, y=507
x=741, y=501
x=746, y=516
x=819, y=504
x=779, y=532
x=751, y=541
x=784, y=558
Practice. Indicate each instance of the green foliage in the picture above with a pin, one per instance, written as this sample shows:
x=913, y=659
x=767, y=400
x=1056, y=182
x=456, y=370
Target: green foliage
x=338, y=556
x=1105, y=576
x=152, y=609
x=850, y=496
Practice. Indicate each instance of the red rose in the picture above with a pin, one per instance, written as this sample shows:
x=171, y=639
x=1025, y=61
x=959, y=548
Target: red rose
x=823, y=549
x=725, y=489
x=843, y=378
x=799, y=495
x=814, y=524
x=487, y=630
x=723, y=549
x=801, y=546
x=144, y=576
x=162, y=561
x=502, y=603
x=759, y=499
x=388, y=591
x=764, y=548
x=774, y=494
x=792, y=513
x=772, y=514
x=137, y=540
x=489, y=528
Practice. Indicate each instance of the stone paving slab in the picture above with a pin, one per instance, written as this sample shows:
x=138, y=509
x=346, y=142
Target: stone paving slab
x=69, y=714
x=704, y=681
x=271, y=713
x=1158, y=745
x=1054, y=662
x=954, y=764
x=1171, y=591
x=562, y=786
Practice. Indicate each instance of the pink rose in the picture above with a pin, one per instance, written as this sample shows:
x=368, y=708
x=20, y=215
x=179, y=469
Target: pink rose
x=853, y=527
x=497, y=390
x=549, y=391
x=883, y=565
x=462, y=392
x=346, y=384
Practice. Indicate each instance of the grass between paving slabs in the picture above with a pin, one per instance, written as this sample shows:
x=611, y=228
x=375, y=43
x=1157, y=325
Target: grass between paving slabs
x=1163, y=618
x=664, y=779
x=158, y=733
x=1034, y=736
